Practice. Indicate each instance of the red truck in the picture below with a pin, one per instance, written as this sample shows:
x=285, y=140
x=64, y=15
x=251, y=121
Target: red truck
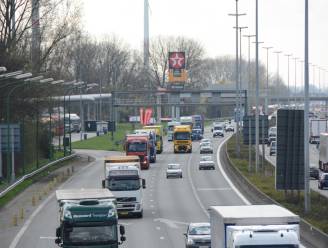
x=137, y=144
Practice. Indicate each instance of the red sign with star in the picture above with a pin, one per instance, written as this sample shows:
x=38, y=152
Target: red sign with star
x=177, y=60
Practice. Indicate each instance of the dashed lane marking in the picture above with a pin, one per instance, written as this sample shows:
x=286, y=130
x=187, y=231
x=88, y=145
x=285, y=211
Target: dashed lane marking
x=213, y=189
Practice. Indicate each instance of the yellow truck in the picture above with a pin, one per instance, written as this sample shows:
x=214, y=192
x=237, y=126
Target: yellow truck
x=182, y=139
x=159, y=136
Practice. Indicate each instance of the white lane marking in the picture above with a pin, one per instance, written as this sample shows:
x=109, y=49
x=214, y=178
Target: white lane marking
x=48, y=238
x=152, y=206
x=153, y=212
x=171, y=223
x=28, y=222
x=194, y=189
x=243, y=198
x=162, y=238
x=158, y=228
x=151, y=200
x=213, y=189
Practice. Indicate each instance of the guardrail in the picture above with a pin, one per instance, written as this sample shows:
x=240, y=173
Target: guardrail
x=22, y=179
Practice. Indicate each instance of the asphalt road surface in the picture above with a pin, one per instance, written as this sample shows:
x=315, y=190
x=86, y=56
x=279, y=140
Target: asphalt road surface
x=169, y=204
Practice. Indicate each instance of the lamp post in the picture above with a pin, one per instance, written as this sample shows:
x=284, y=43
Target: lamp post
x=249, y=104
x=237, y=78
x=295, y=80
x=267, y=79
x=278, y=76
x=307, y=202
x=288, y=57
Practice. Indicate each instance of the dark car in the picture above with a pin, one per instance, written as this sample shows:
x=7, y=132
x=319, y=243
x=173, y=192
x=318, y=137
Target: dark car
x=323, y=181
x=196, y=134
x=198, y=235
x=314, y=172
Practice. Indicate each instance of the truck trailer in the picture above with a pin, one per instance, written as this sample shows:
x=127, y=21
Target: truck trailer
x=88, y=218
x=123, y=180
x=253, y=226
x=323, y=152
x=317, y=126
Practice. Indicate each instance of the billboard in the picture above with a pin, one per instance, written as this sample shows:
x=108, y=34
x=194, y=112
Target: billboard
x=177, y=74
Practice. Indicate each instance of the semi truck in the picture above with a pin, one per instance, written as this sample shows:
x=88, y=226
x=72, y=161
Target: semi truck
x=138, y=145
x=159, y=136
x=152, y=141
x=253, y=226
x=88, y=218
x=187, y=120
x=198, y=122
x=323, y=152
x=170, y=128
x=317, y=126
x=123, y=179
x=182, y=139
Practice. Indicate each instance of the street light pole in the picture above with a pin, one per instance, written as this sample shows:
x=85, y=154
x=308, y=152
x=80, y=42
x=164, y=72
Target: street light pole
x=249, y=104
x=288, y=92
x=257, y=130
x=237, y=79
x=267, y=79
x=295, y=79
x=307, y=201
x=278, y=76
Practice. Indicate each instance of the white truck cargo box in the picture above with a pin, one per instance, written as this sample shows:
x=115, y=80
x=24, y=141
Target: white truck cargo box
x=222, y=217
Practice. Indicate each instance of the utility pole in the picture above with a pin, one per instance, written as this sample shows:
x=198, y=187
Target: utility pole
x=257, y=130
x=278, y=76
x=288, y=57
x=307, y=202
x=249, y=104
x=237, y=80
x=146, y=35
x=36, y=37
x=267, y=79
x=295, y=82
x=13, y=19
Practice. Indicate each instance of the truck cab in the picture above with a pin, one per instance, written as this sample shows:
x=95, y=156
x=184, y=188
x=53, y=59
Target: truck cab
x=170, y=128
x=182, y=139
x=138, y=145
x=152, y=141
x=88, y=218
x=124, y=181
x=159, y=136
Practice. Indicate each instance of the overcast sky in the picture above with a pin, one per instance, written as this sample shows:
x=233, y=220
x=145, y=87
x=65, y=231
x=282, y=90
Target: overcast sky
x=281, y=25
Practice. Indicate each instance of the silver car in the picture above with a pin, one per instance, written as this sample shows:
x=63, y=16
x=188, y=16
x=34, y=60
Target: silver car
x=206, y=165
x=206, y=149
x=174, y=170
x=198, y=235
x=205, y=142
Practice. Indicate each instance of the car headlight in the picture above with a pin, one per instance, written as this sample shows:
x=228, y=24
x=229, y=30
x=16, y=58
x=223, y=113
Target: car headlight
x=138, y=206
x=190, y=241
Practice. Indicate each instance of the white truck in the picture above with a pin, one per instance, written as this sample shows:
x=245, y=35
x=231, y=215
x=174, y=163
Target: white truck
x=253, y=226
x=317, y=126
x=323, y=152
x=123, y=179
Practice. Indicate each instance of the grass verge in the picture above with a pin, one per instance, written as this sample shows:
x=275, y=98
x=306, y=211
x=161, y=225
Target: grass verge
x=105, y=142
x=21, y=187
x=265, y=181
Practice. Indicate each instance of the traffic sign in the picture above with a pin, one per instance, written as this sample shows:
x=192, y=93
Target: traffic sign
x=14, y=137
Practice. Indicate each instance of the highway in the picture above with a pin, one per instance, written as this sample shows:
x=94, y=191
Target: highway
x=169, y=204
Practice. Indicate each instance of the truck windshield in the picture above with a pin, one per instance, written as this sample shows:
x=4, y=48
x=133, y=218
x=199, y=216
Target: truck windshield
x=182, y=136
x=268, y=246
x=218, y=128
x=92, y=235
x=137, y=147
x=120, y=184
